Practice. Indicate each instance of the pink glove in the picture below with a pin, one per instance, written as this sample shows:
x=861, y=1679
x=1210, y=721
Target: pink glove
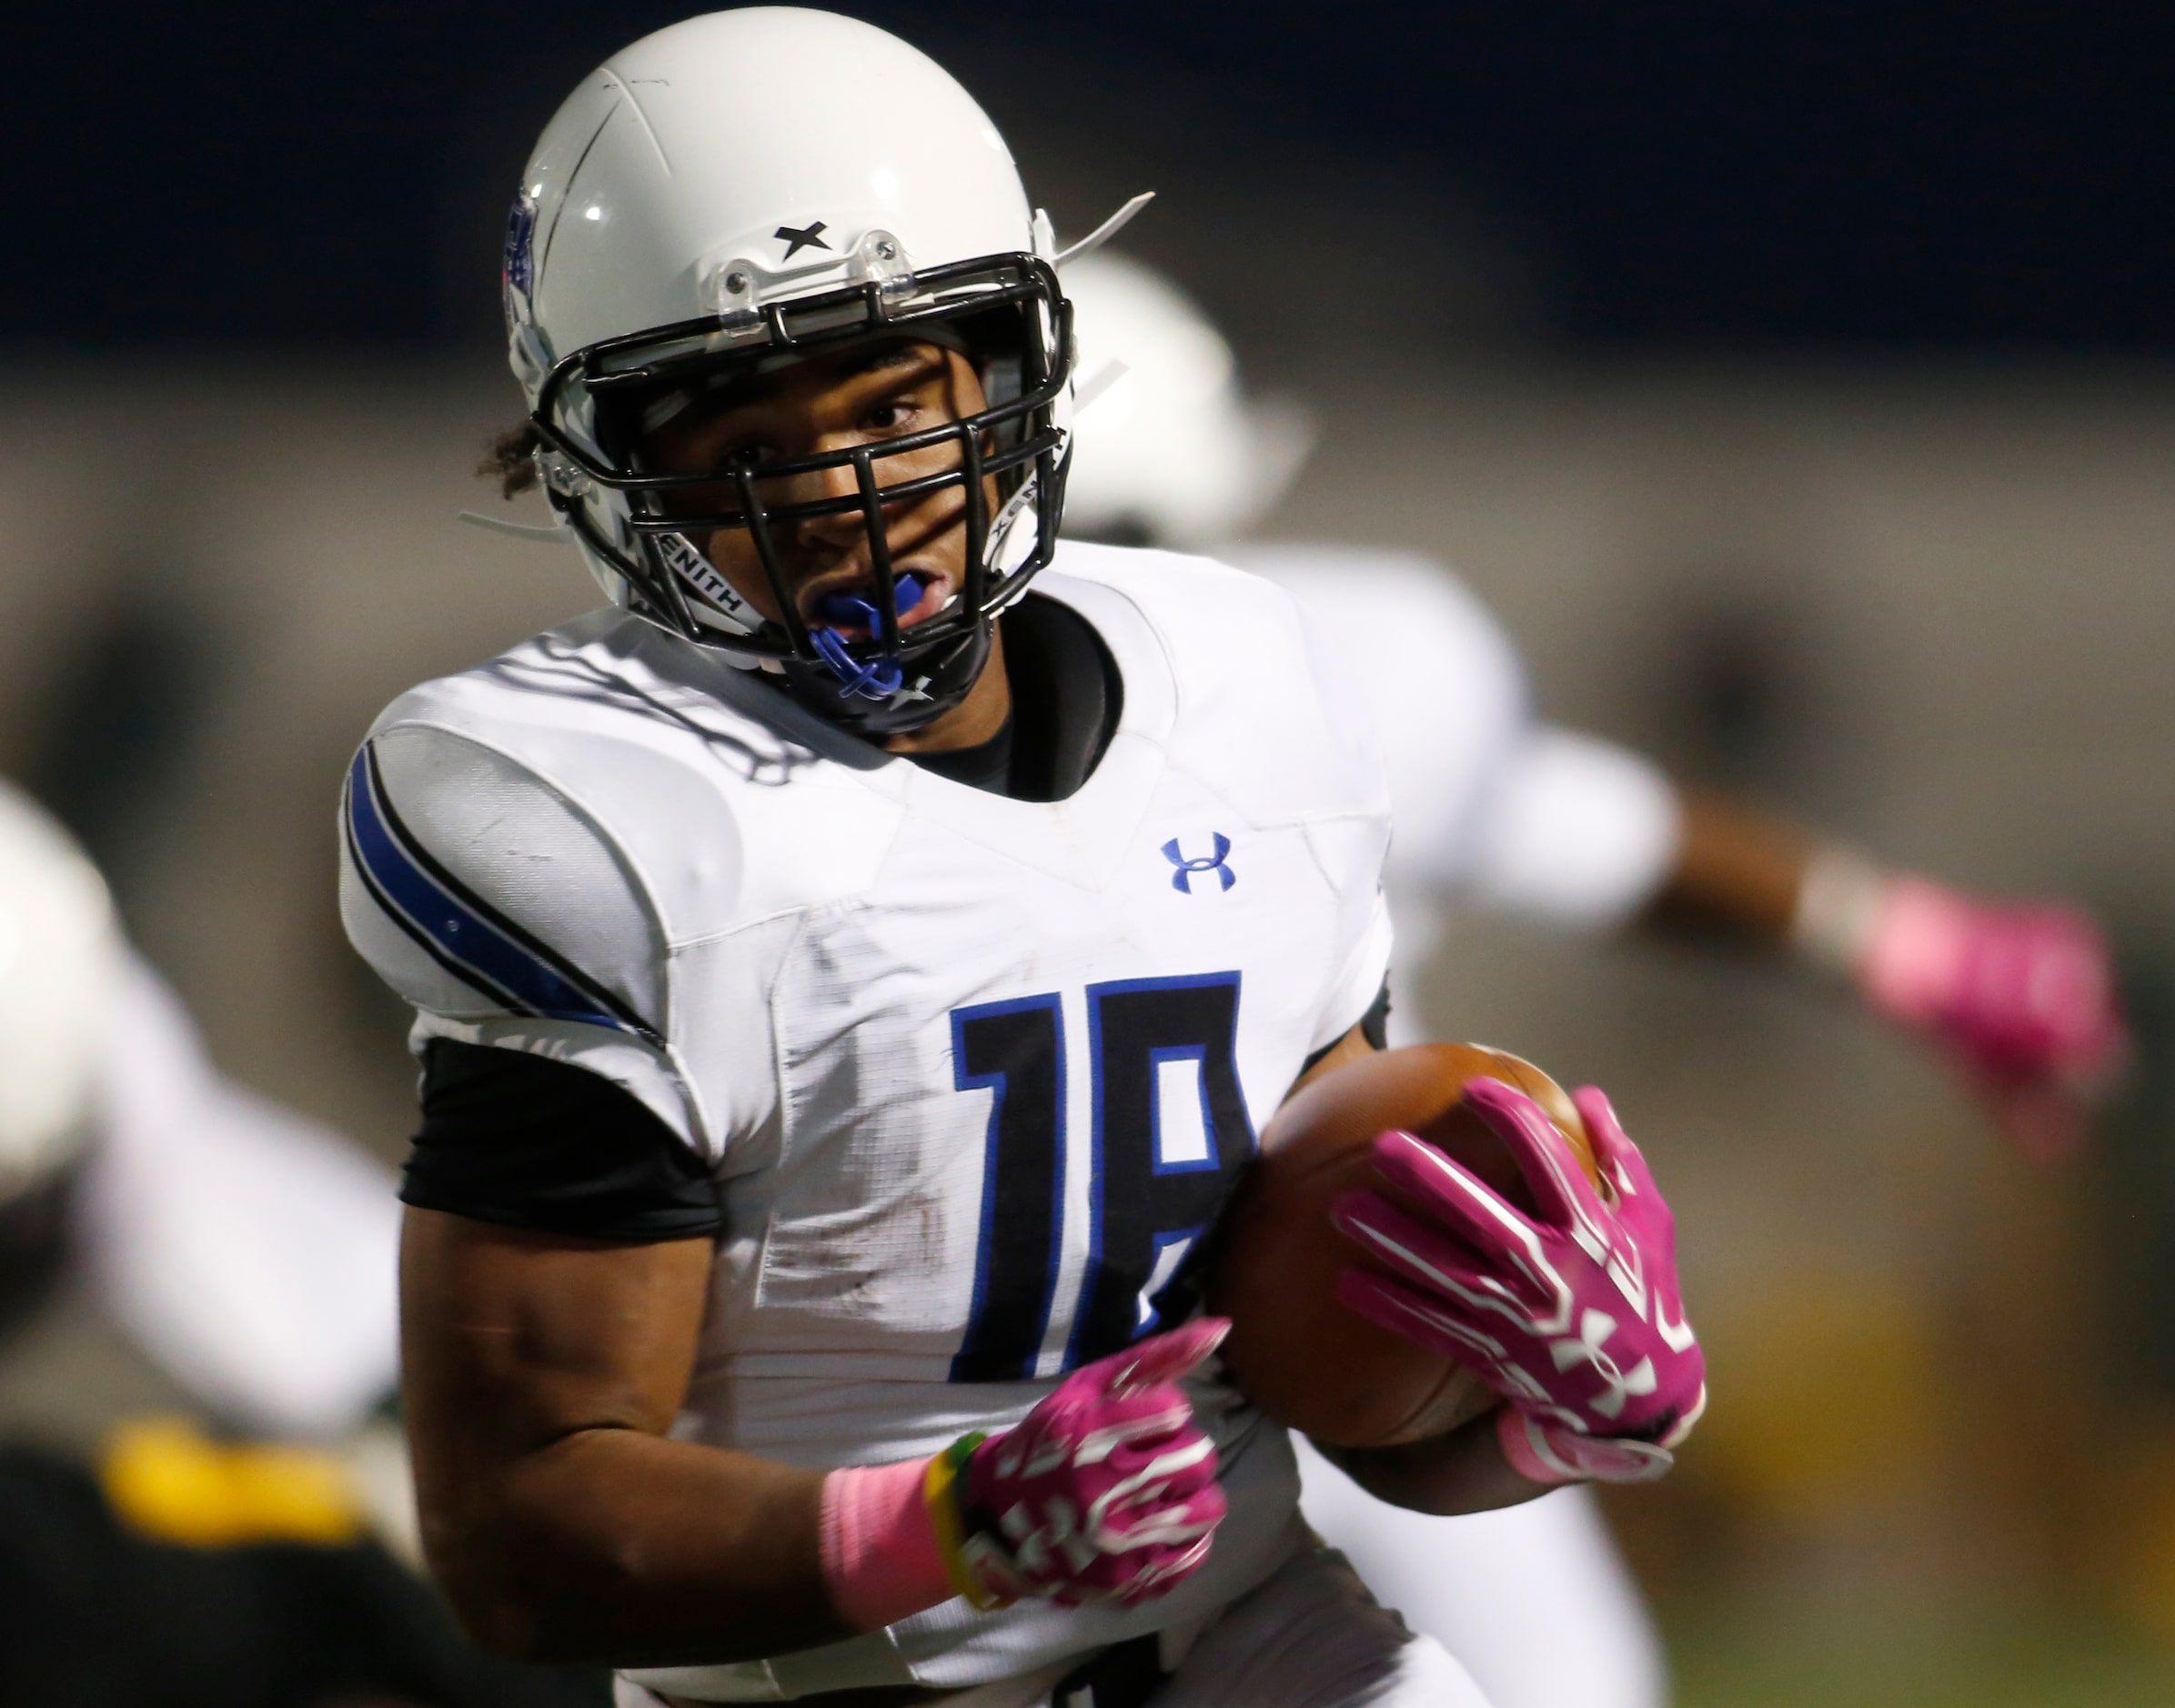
x=1105, y=1492
x=1572, y=1315
x=2023, y=994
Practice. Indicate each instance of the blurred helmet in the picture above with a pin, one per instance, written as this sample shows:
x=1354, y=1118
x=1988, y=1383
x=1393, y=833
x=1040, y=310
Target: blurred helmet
x=60, y=954
x=1169, y=450
x=741, y=191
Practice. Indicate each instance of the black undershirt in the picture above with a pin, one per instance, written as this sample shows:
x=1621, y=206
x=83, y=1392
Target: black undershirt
x=1066, y=695
x=526, y=1142
x=529, y=1142
x=988, y=766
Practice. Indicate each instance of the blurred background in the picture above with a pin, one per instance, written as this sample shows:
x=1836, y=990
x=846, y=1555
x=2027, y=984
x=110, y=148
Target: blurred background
x=1795, y=382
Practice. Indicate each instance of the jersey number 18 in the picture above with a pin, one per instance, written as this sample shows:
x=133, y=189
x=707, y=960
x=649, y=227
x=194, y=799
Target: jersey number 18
x=1170, y=1133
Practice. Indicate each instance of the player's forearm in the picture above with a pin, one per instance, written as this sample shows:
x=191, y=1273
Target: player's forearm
x=541, y=1373
x=1737, y=873
x=619, y=1548
x=2022, y=992
x=1462, y=1472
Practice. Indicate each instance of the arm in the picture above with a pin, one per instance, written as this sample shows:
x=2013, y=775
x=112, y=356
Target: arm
x=246, y=1249
x=541, y=1373
x=556, y=1249
x=2021, y=994
x=1736, y=873
x=1588, y=835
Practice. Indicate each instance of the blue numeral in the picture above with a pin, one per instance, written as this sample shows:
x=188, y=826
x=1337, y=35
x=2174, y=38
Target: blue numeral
x=1017, y=1049
x=1170, y=1133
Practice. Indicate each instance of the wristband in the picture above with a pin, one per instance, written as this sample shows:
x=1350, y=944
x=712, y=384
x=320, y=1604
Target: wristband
x=1840, y=901
x=940, y=1494
x=881, y=1558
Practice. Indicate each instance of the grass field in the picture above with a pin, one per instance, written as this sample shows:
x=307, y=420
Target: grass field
x=2027, y=1664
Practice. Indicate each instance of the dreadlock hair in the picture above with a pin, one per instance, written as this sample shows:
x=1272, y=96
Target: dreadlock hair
x=510, y=459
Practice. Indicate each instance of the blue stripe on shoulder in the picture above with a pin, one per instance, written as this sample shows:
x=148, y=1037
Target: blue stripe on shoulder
x=459, y=929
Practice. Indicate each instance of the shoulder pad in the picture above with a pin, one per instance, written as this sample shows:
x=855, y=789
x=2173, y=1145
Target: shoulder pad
x=475, y=887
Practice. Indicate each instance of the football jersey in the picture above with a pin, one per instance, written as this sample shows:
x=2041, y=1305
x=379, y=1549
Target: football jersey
x=973, y=1074
x=1491, y=804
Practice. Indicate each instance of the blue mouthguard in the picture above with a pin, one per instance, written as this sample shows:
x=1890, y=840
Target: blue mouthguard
x=844, y=610
x=880, y=678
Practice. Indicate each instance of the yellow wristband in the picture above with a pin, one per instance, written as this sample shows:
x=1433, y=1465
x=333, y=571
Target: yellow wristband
x=939, y=1492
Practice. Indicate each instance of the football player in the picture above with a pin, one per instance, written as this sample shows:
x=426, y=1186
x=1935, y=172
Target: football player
x=246, y=1253
x=247, y=1250
x=1496, y=810
x=850, y=966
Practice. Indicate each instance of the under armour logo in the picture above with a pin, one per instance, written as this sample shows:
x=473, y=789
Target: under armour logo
x=1617, y=1385
x=1181, y=880
x=798, y=237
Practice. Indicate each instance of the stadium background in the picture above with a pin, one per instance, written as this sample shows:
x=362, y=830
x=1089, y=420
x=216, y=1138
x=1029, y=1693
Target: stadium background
x=1795, y=382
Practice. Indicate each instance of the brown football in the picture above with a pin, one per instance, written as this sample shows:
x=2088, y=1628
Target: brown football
x=1293, y=1350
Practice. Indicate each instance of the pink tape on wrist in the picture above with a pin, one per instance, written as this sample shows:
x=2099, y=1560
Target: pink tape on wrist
x=1914, y=962
x=1519, y=1449
x=881, y=1562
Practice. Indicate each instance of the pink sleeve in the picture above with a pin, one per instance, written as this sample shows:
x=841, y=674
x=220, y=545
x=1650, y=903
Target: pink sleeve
x=880, y=1561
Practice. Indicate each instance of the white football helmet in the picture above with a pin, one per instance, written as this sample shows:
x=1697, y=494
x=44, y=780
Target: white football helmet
x=60, y=956
x=733, y=193
x=1168, y=450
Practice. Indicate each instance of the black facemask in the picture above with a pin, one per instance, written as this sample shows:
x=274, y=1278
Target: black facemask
x=1005, y=311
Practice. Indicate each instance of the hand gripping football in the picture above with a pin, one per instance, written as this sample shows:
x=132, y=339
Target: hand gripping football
x=1573, y=1314
x=1304, y=1357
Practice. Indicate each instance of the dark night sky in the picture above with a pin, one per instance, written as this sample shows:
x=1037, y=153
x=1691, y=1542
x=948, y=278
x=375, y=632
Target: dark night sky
x=1898, y=176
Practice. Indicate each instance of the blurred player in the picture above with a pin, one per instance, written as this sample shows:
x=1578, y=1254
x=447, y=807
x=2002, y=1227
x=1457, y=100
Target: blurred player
x=247, y=1250
x=842, y=1011
x=1497, y=809
x=249, y=1254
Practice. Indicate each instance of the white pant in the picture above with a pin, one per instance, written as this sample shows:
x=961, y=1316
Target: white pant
x=1313, y=1637
x=1309, y=1637
x=1534, y=1600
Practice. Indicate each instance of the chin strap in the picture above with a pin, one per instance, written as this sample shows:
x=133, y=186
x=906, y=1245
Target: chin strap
x=879, y=678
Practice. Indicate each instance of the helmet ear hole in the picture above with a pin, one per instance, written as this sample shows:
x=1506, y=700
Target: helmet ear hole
x=1001, y=380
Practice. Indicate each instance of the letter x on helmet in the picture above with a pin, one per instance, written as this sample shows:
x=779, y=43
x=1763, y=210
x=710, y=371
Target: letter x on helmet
x=742, y=190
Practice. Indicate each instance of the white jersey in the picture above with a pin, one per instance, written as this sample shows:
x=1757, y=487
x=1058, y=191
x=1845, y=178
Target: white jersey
x=244, y=1249
x=973, y=1073
x=248, y=1250
x=60, y=961
x=1515, y=814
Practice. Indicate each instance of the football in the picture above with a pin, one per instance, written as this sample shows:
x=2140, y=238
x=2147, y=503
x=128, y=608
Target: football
x=1293, y=1350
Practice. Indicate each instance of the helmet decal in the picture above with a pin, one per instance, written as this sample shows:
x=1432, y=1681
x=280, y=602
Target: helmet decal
x=798, y=237
x=518, y=276
x=731, y=611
